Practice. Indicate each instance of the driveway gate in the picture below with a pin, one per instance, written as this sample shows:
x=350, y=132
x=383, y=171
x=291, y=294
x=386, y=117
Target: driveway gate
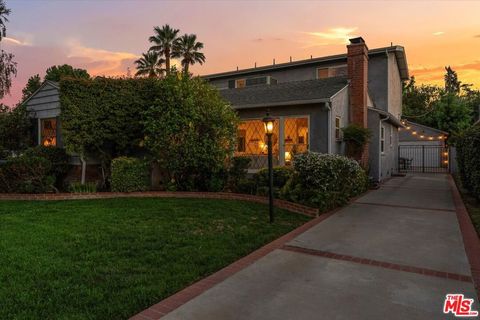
x=423, y=158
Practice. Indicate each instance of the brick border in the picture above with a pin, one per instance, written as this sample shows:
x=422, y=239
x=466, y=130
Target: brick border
x=471, y=241
x=171, y=303
x=381, y=264
x=282, y=204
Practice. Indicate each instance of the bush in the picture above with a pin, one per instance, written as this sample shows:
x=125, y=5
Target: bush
x=356, y=138
x=280, y=177
x=468, y=151
x=26, y=174
x=237, y=176
x=58, y=159
x=129, y=175
x=190, y=130
x=324, y=181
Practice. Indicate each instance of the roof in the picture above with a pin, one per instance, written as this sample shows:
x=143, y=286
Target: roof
x=426, y=127
x=399, y=52
x=389, y=117
x=285, y=93
x=44, y=84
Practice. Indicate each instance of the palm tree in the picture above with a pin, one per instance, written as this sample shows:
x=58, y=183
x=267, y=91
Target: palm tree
x=150, y=65
x=164, y=41
x=187, y=48
x=4, y=12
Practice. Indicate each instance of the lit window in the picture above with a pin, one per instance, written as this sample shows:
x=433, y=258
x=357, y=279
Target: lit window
x=240, y=83
x=48, y=132
x=382, y=139
x=322, y=73
x=296, y=137
x=338, y=131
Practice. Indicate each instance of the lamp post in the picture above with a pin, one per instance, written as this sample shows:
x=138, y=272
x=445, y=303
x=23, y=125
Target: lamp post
x=268, y=122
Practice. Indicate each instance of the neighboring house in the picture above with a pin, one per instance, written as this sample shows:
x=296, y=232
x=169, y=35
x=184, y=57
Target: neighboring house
x=313, y=99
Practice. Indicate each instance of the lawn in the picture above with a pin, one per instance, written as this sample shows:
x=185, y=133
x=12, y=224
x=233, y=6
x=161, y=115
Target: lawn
x=109, y=259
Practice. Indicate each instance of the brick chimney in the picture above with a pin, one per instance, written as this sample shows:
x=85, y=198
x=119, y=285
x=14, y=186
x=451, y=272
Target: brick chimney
x=357, y=62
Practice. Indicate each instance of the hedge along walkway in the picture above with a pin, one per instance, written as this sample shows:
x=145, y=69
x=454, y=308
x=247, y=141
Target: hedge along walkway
x=282, y=204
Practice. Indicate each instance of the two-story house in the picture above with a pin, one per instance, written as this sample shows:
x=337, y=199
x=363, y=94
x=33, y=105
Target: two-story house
x=314, y=99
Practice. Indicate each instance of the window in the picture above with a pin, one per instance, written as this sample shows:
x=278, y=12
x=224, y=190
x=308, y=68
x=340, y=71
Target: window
x=48, y=132
x=322, y=73
x=335, y=71
x=338, y=131
x=295, y=137
x=382, y=139
x=240, y=83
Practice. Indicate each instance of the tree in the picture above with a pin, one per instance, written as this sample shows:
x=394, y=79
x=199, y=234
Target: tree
x=187, y=48
x=56, y=73
x=8, y=67
x=15, y=129
x=418, y=101
x=452, y=85
x=150, y=65
x=164, y=39
x=33, y=84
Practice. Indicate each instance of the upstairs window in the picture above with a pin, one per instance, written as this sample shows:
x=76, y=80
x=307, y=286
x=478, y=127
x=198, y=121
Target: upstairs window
x=48, y=132
x=328, y=72
x=338, y=130
x=240, y=83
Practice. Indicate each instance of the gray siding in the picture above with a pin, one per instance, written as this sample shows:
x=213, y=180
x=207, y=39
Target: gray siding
x=378, y=81
x=45, y=103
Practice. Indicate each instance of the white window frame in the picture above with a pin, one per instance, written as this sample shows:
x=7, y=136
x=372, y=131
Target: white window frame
x=382, y=139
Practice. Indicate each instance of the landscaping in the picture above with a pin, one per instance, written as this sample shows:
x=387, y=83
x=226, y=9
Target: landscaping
x=111, y=258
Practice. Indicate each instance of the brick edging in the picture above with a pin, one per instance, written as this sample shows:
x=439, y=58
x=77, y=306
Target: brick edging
x=471, y=241
x=282, y=204
x=171, y=303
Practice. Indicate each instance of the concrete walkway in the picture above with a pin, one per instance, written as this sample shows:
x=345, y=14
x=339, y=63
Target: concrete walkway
x=392, y=254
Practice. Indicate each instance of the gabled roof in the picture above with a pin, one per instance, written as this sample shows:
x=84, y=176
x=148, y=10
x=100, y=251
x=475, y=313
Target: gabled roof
x=426, y=127
x=44, y=84
x=286, y=93
x=399, y=52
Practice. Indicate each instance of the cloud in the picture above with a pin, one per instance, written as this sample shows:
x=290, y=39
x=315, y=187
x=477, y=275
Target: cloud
x=336, y=35
x=438, y=33
x=477, y=36
x=14, y=41
x=467, y=73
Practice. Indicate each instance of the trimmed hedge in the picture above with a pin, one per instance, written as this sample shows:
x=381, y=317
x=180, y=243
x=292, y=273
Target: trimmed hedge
x=26, y=174
x=324, y=181
x=280, y=177
x=468, y=160
x=129, y=175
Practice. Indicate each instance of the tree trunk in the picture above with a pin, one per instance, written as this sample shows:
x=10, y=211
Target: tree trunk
x=167, y=61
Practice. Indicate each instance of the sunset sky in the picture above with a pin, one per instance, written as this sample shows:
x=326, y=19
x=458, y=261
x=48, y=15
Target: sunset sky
x=105, y=37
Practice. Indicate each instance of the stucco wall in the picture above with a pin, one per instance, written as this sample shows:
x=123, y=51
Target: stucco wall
x=317, y=116
x=340, y=107
x=394, y=87
x=378, y=81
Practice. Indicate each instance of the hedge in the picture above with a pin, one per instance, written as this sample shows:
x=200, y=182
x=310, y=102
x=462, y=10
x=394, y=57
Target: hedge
x=280, y=177
x=26, y=174
x=129, y=175
x=324, y=181
x=58, y=158
x=468, y=159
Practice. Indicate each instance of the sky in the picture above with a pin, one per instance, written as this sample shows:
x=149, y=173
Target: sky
x=105, y=37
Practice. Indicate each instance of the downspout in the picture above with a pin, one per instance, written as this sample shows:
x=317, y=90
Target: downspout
x=328, y=105
x=380, y=135
x=84, y=169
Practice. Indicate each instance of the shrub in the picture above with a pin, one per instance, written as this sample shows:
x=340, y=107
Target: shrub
x=468, y=151
x=356, y=138
x=280, y=177
x=129, y=175
x=77, y=187
x=58, y=159
x=15, y=130
x=237, y=176
x=25, y=174
x=190, y=130
x=324, y=181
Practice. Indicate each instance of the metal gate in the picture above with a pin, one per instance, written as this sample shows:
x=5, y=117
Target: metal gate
x=423, y=158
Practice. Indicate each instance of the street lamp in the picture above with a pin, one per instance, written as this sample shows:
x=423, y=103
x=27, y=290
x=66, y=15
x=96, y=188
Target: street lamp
x=269, y=122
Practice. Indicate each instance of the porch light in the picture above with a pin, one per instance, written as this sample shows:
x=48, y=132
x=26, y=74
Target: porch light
x=268, y=122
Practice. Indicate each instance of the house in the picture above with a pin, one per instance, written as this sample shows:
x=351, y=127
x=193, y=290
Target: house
x=313, y=99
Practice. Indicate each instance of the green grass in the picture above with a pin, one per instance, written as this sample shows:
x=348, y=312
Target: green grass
x=109, y=259
x=472, y=205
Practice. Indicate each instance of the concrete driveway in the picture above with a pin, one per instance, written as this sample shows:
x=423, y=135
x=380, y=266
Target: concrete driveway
x=392, y=254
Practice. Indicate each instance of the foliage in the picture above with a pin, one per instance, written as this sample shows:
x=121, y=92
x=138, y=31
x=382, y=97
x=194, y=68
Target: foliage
x=356, y=138
x=164, y=40
x=8, y=67
x=280, y=177
x=188, y=49
x=57, y=73
x=237, y=176
x=468, y=151
x=452, y=84
x=33, y=84
x=190, y=130
x=150, y=65
x=87, y=187
x=324, y=181
x=103, y=117
x=15, y=130
x=143, y=250
x=58, y=158
x=129, y=175
x=25, y=174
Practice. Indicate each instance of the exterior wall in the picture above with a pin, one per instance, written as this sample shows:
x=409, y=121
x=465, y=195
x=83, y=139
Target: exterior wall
x=318, y=117
x=378, y=81
x=406, y=137
x=340, y=108
x=374, y=145
x=394, y=87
